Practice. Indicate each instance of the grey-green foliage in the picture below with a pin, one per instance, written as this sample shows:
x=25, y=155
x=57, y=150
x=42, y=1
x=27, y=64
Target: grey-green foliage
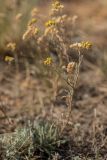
x=15, y=144
x=41, y=138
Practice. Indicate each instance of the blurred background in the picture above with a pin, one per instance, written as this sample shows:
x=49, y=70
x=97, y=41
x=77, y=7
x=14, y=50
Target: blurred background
x=91, y=17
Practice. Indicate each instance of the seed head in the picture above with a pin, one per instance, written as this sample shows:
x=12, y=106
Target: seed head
x=34, y=12
x=70, y=67
x=30, y=32
x=11, y=46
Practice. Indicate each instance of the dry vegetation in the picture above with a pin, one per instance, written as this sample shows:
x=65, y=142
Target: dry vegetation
x=53, y=80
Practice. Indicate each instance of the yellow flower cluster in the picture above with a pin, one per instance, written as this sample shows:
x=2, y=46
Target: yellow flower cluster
x=48, y=61
x=57, y=5
x=86, y=45
x=82, y=45
x=50, y=23
x=70, y=67
x=9, y=59
x=11, y=46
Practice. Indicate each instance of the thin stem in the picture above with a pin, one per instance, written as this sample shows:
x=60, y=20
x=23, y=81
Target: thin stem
x=71, y=91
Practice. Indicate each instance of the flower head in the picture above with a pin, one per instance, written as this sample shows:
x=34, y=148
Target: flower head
x=9, y=59
x=70, y=67
x=33, y=21
x=57, y=5
x=35, y=31
x=50, y=23
x=48, y=61
x=86, y=45
x=82, y=45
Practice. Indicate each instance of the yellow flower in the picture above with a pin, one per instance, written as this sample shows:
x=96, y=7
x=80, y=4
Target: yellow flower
x=48, y=61
x=86, y=45
x=83, y=45
x=33, y=21
x=50, y=23
x=11, y=46
x=9, y=59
